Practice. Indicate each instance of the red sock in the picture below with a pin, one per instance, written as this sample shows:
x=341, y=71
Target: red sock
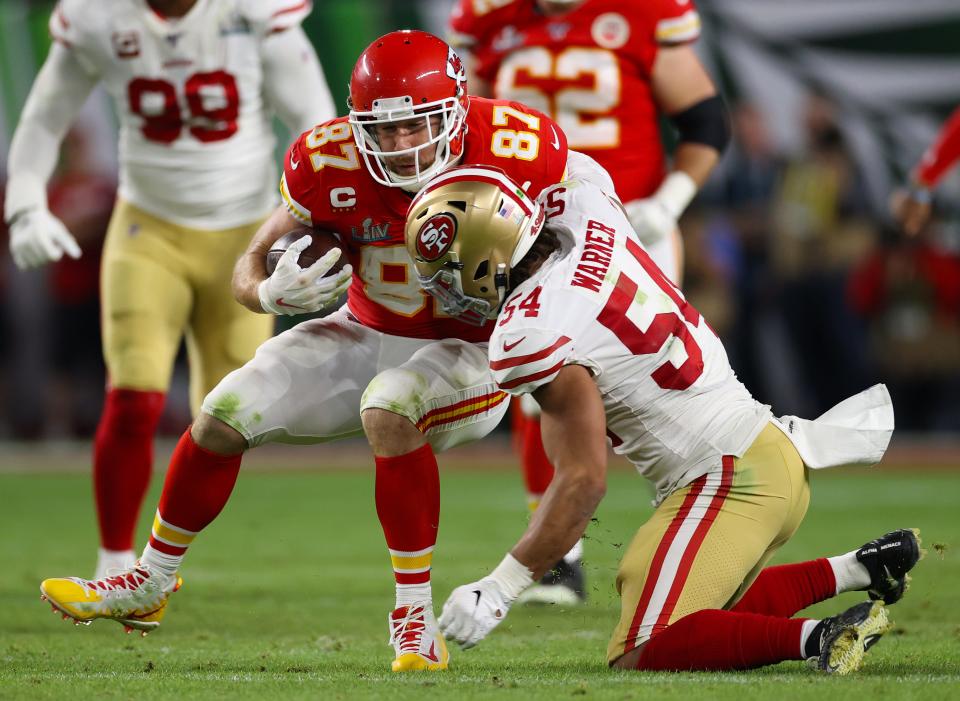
x=712, y=640
x=786, y=589
x=123, y=462
x=408, y=504
x=198, y=485
x=537, y=470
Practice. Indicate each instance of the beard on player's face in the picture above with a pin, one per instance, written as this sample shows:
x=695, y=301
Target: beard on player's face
x=404, y=136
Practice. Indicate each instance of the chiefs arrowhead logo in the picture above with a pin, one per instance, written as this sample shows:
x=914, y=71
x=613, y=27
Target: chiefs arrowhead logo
x=435, y=237
x=455, y=69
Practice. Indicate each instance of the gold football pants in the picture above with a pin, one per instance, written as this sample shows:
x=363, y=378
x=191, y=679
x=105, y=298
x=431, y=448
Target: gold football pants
x=707, y=542
x=160, y=283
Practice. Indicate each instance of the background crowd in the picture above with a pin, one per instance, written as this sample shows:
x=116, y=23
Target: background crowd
x=791, y=254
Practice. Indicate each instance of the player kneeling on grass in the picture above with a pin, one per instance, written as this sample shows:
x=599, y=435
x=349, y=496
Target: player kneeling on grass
x=610, y=348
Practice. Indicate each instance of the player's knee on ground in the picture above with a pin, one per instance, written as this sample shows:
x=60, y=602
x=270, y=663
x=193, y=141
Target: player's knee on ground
x=629, y=660
x=210, y=433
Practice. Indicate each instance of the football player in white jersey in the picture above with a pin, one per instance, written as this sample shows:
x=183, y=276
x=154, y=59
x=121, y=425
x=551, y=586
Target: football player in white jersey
x=194, y=84
x=612, y=351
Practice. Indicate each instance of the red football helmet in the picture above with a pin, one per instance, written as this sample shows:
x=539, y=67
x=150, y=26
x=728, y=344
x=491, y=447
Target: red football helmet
x=402, y=76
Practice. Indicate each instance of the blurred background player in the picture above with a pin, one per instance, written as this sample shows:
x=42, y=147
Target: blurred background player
x=193, y=83
x=912, y=206
x=605, y=71
x=391, y=363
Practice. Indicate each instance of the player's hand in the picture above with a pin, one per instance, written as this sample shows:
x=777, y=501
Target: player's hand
x=293, y=290
x=472, y=611
x=911, y=209
x=37, y=237
x=651, y=219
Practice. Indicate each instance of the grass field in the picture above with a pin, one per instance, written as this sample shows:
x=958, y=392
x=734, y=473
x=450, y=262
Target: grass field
x=286, y=596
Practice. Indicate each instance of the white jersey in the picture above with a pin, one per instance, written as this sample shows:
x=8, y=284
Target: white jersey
x=196, y=138
x=673, y=404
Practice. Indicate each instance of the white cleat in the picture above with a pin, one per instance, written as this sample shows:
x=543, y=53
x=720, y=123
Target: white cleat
x=416, y=639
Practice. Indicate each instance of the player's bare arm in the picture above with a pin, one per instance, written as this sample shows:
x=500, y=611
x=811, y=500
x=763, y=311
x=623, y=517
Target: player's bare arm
x=686, y=94
x=251, y=268
x=574, y=436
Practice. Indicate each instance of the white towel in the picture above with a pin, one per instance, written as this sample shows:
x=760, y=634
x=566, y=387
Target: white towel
x=855, y=432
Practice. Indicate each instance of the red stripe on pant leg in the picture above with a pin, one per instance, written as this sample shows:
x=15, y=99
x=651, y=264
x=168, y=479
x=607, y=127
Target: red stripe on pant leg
x=693, y=547
x=657, y=563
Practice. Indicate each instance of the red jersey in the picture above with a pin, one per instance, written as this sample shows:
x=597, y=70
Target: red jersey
x=588, y=68
x=325, y=184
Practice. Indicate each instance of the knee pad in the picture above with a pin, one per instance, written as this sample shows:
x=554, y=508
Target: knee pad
x=397, y=390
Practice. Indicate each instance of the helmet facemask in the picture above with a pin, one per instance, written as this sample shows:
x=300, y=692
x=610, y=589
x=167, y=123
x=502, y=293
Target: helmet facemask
x=466, y=230
x=443, y=124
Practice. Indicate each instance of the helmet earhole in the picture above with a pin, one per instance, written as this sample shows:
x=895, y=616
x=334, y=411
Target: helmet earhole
x=482, y=270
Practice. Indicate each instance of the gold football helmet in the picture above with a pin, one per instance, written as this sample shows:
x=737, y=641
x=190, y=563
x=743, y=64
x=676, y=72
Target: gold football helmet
x=465, y=231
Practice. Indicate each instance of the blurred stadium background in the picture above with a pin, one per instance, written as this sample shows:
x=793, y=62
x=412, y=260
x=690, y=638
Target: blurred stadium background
x=790, y=252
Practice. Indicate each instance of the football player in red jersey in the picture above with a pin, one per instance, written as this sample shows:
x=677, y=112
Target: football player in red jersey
x=605, y=71
x=391, y=362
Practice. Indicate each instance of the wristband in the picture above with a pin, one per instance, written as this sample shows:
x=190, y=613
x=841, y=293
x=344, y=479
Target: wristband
x=512, y=577
x=675, y=192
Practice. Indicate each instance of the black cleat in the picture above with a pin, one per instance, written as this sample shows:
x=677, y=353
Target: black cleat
x=888, y=559
x=845, y=638
x=564, y=585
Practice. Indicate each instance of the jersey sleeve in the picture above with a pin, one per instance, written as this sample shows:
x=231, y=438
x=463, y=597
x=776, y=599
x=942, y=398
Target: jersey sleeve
x=67, y=27
x=268, y=17
x=549, y=167
x=677, y=22
x=523, y=358
x=298, y=184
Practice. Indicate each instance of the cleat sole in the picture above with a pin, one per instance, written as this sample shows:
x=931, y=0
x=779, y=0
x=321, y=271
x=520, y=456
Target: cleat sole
x=846, y=653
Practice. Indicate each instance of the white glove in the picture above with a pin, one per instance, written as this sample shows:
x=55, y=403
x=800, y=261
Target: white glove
x=654, y=218
x=37, y=237
x=293, y=290
x=473, y=610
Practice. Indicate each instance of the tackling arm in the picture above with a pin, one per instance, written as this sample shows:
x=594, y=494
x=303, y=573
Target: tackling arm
x=573, y=425
x=574, y=434
x=58, y=93
x=294, y=81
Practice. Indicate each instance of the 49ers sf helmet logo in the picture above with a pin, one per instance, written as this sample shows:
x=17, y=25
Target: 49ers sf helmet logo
x=435, y=237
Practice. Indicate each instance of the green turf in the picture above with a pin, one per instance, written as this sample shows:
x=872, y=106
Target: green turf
x=286, y=596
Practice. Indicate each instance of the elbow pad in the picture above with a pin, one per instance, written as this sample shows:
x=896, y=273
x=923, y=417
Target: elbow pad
x=704, y=123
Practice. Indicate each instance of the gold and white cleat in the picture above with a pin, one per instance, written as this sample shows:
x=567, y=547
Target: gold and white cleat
x=136, y=598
